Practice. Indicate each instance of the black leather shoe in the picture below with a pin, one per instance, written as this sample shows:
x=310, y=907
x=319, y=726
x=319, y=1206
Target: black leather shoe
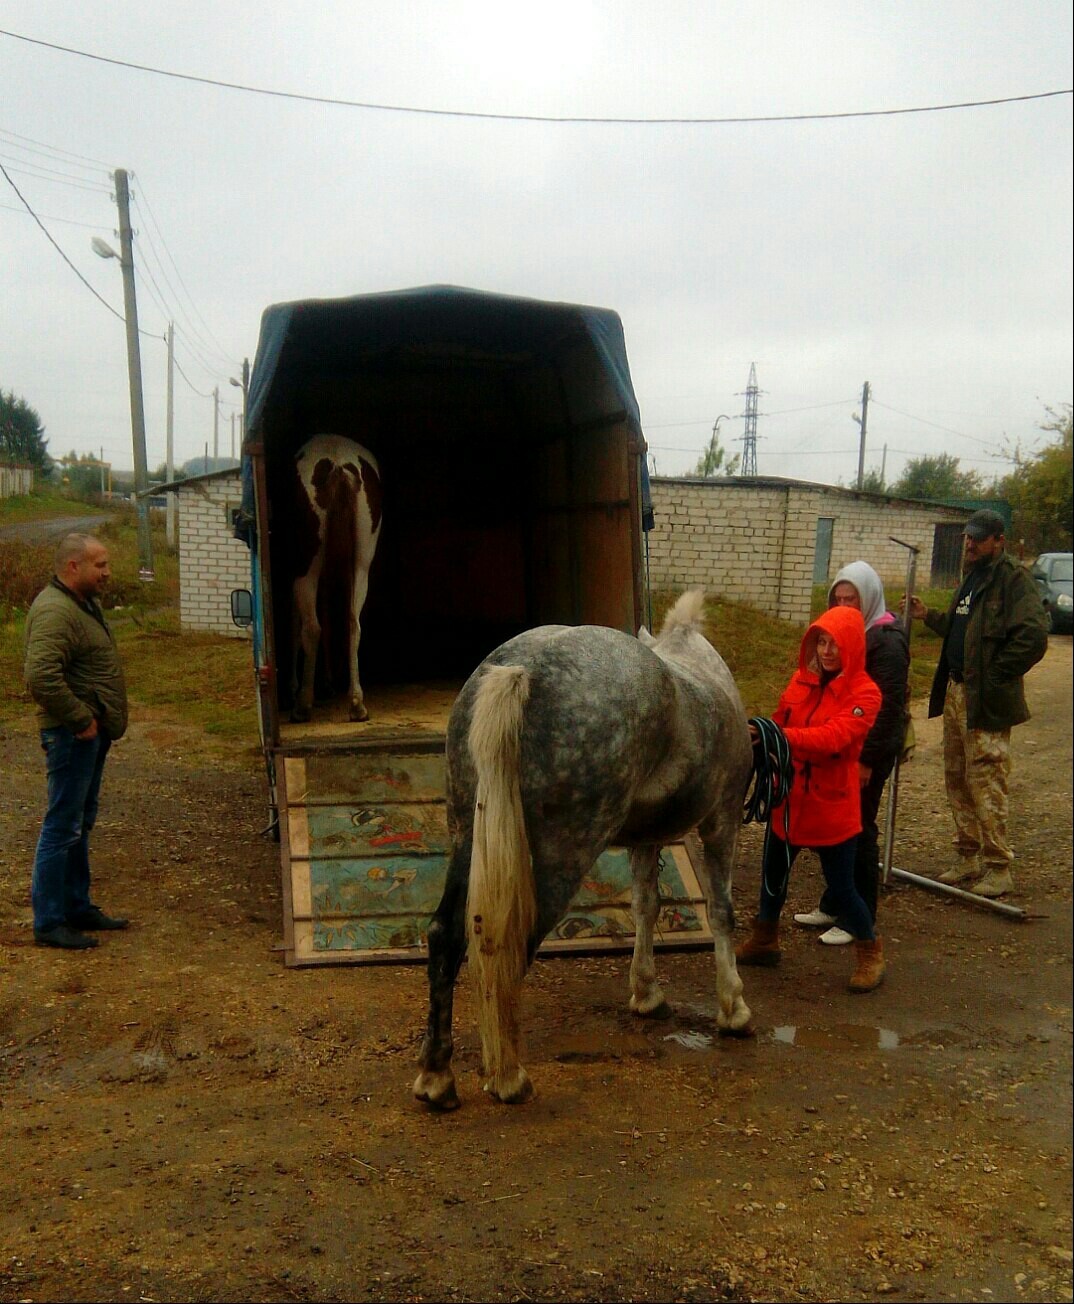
x=62, y=935
x=94, y=919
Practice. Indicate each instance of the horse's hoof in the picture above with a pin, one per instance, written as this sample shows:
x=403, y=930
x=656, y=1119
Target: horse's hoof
x=747, y=1030
x=662, y=1010
x=358, y=714
x=739, y=1023
x=437, y=1090
x=300, y=714
x=515, y=1090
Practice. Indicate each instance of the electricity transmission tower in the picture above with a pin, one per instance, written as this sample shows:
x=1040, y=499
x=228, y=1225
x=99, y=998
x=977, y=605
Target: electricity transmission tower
x=749, y=437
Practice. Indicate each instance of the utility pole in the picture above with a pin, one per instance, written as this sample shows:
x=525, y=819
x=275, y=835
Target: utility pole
x=216, y=425
x=102, y=470
x=233, y=436
x=884, y=467
x=170, y=439
x=134, y=371
x=862, y=422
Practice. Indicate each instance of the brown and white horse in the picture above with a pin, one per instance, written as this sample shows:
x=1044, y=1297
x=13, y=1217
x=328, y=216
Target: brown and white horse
x=336, y=526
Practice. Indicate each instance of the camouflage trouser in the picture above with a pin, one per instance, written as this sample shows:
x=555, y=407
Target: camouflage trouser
x=977, y=765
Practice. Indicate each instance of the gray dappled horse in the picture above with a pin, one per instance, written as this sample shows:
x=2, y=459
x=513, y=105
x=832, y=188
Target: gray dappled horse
x=565, y=741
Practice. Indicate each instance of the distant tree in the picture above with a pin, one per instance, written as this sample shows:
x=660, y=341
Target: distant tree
x=80, y=474
x=714, y=460
x=1039, y=489
x=939, y=478
x=22, y=436
x=872, y=482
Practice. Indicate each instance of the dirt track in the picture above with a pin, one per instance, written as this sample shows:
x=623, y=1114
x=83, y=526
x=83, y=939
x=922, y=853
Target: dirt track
x=183, y=1118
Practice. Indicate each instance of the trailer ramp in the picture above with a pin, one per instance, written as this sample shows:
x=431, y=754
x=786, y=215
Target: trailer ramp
x=364, y=847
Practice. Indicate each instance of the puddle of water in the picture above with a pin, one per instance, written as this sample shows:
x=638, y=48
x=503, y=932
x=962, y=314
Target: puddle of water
x=841, y=1037
x=847, y=1036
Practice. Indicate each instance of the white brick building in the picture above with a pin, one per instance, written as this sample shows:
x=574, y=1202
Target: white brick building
x=761, y=541
x=212, y=561
x=767, y=541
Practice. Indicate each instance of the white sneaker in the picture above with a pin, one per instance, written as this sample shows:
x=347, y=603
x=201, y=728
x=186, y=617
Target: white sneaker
x=837, y=937
x=815, y=919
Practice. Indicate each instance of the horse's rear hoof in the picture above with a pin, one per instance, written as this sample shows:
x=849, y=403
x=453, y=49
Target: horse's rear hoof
x=300, y=714
x=437, y=1090
x=513, y=1090
x=747, y=1030
x=358, y=714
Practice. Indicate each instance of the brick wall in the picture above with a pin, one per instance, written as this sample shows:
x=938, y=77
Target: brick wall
x=211, y=561
x=756, y=541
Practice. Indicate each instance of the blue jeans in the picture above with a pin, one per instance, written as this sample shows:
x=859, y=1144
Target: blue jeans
x=61, y=878
x=838, y=865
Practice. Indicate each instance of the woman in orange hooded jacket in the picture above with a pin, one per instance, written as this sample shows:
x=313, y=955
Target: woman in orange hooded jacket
x=825, y=713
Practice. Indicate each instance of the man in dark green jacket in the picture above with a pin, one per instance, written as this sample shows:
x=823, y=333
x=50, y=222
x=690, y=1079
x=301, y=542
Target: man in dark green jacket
x=73, y=673
x=995, y=630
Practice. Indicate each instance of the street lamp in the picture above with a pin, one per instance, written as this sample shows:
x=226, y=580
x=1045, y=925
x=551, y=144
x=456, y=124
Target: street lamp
x=134, y=371
x=244, y=385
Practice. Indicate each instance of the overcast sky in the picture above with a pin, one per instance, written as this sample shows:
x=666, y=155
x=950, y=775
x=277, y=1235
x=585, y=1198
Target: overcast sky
x=927, y=253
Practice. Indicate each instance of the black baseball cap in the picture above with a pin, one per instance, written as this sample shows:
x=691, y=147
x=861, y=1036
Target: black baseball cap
x=985, y=524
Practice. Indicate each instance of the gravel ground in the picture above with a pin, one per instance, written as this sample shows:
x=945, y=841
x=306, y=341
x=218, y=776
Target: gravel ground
x=185, y=1119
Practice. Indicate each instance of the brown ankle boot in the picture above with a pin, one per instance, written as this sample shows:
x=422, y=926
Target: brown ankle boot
x=762, y=945
x=869, y=973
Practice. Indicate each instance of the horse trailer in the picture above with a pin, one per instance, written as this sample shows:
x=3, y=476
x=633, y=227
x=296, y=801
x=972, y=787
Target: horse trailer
x=513, y=484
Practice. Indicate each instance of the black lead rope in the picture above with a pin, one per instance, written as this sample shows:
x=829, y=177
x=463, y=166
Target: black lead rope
x=770, y=782
x=769, y=787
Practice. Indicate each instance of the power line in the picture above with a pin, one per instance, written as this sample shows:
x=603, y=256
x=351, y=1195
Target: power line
x=55, y=150
x=210, y=341
x=49, y=217
x=936, y=426
x=527, y=117
x=54, y=178
x=57, y=247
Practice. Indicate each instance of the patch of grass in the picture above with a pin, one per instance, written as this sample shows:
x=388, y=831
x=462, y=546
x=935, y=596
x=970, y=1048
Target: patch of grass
x=762, y=652
x=43, y=502
x=204, y=680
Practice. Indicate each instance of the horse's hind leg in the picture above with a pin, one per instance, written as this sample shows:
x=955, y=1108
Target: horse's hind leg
x=361, y=587
x=646, y=995
x=719, y=837
x=435, y=1084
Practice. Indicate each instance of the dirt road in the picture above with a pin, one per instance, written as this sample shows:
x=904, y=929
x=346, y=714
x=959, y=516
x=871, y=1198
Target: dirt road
x=183, y=1118
x=49, y=527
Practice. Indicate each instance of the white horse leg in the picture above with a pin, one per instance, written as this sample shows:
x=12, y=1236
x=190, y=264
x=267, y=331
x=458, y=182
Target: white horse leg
x=646, y=995
x=361, y=588
x=719, y=837
x=309, y=634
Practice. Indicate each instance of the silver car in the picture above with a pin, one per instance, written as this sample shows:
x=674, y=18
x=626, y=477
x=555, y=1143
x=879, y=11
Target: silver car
x=1054, y=573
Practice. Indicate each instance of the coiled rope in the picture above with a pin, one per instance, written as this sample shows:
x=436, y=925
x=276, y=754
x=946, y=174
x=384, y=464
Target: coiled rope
x=770, y=782
x=770, y=786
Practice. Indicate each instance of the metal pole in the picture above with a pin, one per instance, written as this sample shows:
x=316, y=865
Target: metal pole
x=170, y=510
x=861, y=442
x=934, y=885
x=216, y=425
x=134, y=371
x=893, y=782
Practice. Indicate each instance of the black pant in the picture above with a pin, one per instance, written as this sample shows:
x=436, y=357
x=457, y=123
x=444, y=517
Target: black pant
x=867, y=860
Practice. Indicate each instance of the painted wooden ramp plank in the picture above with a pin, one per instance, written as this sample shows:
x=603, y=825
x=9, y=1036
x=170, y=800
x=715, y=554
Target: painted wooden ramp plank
x=367, y=861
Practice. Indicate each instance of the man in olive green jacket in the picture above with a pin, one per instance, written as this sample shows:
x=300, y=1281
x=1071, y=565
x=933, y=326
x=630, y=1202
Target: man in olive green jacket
x=995, y=630
x=73, y=673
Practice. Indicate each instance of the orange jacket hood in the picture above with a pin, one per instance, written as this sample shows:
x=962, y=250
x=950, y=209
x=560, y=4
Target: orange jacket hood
x=847, y=627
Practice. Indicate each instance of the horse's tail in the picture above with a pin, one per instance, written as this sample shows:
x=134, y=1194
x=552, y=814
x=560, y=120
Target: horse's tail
x=501, y=905
x=687, y=612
